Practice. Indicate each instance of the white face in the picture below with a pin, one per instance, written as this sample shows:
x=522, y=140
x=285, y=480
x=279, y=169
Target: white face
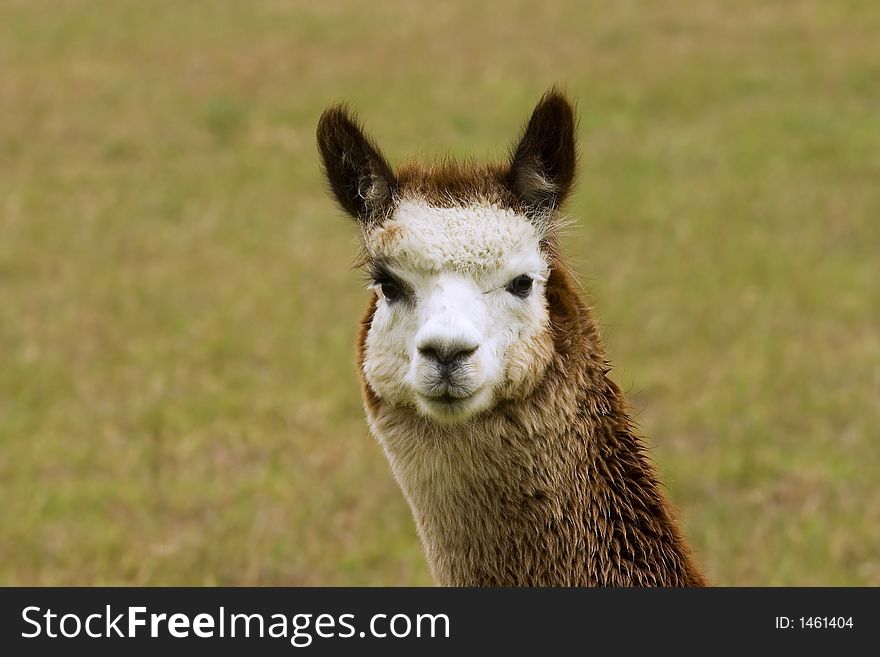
x=461, y=321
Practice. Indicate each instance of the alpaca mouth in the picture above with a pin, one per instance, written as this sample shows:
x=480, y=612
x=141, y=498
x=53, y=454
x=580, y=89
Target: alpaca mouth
x=446, y=391
x=447, y=403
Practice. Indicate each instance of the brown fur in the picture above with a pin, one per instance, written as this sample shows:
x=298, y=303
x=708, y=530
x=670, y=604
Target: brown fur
x=448, y=182
x=552, y=487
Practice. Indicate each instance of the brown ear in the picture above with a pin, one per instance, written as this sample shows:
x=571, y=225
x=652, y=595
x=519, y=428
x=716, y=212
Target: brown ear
x=358, y=174
x=542, y=167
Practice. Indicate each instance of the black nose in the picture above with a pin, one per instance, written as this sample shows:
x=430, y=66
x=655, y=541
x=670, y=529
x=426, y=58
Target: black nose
x=446, y=355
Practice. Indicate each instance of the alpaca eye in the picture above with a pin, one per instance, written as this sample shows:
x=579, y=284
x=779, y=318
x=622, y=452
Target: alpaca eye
x=391, y=291
x=520, y=286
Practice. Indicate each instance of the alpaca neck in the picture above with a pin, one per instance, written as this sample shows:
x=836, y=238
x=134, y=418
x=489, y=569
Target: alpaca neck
x=585, y=510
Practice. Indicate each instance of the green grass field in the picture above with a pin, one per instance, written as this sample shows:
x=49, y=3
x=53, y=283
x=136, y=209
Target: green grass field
x=178, y=397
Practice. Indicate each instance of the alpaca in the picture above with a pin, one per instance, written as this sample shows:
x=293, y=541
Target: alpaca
x=484, y=377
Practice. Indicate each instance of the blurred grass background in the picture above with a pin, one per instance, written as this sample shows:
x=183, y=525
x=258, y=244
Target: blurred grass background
x=178, y=398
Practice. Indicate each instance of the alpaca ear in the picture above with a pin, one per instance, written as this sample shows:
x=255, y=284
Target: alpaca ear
x=542, y=166
x=358, y=174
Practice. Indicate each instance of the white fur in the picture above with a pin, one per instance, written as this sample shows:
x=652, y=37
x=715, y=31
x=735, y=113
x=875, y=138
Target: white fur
x=456, y=263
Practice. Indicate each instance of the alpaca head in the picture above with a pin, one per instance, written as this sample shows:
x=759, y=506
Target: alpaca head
x=458, y=257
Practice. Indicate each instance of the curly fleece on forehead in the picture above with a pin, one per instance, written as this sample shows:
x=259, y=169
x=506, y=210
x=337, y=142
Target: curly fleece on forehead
x=465, y=238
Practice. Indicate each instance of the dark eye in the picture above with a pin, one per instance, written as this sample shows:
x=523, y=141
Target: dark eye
x=520, y=286
x=391, y=290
